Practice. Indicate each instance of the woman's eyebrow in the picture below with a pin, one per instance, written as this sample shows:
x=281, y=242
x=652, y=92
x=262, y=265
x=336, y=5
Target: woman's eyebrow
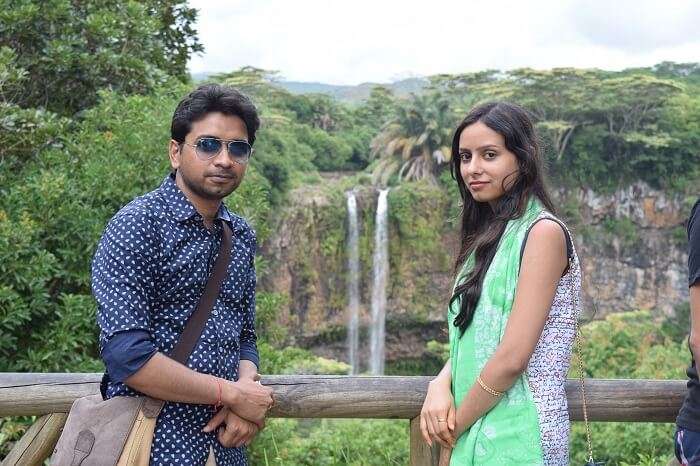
x=481, y=148
x=487, y=146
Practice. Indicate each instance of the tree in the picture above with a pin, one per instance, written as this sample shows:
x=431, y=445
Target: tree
x=558, y=99
x=23, y=132
x=70, y=49
x=416, y=142
x=379, y=107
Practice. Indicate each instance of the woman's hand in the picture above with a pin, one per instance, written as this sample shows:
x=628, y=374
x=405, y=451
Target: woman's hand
x=437, y=418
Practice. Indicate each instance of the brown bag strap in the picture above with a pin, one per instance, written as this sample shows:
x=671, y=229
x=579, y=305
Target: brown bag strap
x=195, y=323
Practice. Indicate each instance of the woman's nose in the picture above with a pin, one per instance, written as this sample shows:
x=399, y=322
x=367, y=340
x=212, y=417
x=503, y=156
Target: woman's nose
x=474, y=166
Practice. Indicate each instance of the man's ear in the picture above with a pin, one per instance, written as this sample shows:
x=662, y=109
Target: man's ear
x=174, y=152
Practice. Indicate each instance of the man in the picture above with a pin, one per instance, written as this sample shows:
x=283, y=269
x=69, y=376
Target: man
x=149, y=273
x=688, y=421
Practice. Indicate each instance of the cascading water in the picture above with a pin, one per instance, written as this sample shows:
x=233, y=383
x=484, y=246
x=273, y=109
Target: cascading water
x=380, y=275
x=353, y=285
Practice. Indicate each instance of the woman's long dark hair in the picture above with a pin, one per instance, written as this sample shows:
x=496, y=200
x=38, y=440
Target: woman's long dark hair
x=482, y=225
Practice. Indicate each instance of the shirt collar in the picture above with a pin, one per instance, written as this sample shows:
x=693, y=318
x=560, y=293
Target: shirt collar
x=182, y=209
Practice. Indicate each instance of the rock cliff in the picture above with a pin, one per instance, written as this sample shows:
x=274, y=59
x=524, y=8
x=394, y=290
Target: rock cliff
x=631, y=243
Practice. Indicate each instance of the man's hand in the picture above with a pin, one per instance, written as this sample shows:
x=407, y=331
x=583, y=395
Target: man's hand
x=248, y=370
x=234, y=431
x=248, y=399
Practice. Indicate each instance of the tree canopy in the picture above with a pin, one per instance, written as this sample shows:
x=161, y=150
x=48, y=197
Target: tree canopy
x=73, y=49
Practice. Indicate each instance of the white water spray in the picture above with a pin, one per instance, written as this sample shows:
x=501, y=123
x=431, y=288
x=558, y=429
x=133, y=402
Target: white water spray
x=380, y=275
x=353, y=285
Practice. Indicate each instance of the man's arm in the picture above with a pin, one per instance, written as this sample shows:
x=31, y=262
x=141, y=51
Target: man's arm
x=123, y=277
x=167, y=379
x=694, y=340
x=694, y=280
x=249, y=360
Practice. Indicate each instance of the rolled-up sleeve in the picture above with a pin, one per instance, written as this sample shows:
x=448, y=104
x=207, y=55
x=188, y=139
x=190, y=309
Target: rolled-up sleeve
x=126, y=352
x=123, y=286
x=249, y=349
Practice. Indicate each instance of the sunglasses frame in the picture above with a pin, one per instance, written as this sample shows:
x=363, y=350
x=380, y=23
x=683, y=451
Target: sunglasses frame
x=224, y=143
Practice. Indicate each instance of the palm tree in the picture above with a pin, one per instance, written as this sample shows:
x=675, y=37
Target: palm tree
x=416, y=142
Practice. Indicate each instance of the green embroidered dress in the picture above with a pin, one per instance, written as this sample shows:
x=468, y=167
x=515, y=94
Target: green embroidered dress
x=529, y=425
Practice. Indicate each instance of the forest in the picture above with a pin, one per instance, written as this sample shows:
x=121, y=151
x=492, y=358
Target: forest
x=87, y=92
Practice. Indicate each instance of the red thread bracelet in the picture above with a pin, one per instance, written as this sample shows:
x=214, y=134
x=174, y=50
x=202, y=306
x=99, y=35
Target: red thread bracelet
x=218, y=403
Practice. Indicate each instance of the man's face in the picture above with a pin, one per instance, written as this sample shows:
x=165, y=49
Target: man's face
x=219, y=176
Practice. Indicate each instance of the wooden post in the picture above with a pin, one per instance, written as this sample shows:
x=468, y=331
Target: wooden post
x=421, y=453
x=37, y=443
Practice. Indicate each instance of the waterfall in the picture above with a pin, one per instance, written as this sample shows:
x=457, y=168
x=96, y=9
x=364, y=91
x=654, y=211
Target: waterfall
x=380, y=275
x=353, y=285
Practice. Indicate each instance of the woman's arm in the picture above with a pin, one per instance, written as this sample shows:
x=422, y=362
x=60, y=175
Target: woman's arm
x=543, y=262
x=437, y=417
x=445, y=375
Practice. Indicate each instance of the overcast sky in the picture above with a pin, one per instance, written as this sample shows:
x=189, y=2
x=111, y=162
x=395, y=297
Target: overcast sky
x=357, y=41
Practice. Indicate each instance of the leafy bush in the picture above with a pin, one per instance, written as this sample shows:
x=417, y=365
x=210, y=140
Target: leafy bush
x=330, y=442
x=630, y=345
x=74, y=49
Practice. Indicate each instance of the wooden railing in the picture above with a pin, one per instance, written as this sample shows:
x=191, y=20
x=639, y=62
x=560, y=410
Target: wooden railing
x=304, y=396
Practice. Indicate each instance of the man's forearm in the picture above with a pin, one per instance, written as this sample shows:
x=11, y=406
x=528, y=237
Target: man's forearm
x=166, y=379
x=694, y=340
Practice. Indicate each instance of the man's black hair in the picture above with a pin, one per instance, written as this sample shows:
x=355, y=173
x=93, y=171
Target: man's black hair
x=209, y=98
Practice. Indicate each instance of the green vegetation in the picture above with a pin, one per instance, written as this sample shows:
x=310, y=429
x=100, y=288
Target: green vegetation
x=73, y=49
x=331, y=442
x=418, y=213
x=631, y=345
x=87, y=91
x=600, y=129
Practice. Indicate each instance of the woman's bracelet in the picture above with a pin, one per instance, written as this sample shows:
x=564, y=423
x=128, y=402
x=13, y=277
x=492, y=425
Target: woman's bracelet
x=486, y=388
x=218, y=403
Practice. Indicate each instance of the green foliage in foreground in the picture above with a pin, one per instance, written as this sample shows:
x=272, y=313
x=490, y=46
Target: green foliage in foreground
x=74, y=49
x=631, y=345
x=329, y=442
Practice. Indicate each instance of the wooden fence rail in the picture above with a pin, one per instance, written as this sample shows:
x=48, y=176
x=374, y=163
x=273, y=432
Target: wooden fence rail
x=319, y=396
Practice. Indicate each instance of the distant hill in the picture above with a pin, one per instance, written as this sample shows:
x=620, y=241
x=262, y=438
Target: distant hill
x=353, y=93
x=345, y=93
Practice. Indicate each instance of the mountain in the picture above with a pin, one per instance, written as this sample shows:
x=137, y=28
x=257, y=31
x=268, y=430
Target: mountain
x=353, y=93
x=344, y=93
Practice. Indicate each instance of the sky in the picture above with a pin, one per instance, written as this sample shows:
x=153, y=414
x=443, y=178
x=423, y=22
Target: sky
x=352, y=42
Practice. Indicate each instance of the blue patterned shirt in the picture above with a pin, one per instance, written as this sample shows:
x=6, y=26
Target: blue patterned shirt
x=148, y=273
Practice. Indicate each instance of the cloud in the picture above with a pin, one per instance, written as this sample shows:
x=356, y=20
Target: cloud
x=638, y=25
x=375, y=40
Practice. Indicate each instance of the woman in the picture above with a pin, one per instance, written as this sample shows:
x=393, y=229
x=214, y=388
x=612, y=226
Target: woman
x=512, y=318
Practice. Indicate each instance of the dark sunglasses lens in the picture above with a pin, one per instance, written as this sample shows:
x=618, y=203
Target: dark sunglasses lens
x=239, y=149
x=209, y=147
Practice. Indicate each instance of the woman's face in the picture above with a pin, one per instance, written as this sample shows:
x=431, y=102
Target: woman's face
x=487, y=167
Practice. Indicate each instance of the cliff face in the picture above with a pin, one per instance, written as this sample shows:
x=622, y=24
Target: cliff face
x=631, y=243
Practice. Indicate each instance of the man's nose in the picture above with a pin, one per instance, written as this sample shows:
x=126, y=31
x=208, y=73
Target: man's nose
x=222, y=159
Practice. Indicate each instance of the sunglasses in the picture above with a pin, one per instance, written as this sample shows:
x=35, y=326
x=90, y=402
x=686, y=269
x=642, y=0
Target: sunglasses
x=208, y=147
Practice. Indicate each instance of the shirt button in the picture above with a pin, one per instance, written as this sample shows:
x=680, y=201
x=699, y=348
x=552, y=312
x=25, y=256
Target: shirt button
x=215, y=312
